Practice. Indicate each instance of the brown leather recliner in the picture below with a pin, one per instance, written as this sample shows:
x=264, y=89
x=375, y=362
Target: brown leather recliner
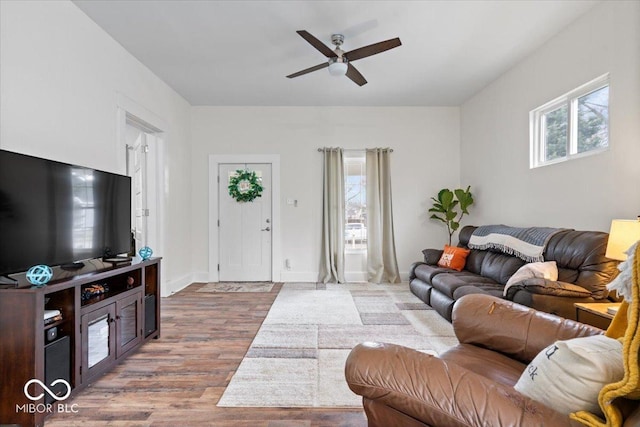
x=472, y=383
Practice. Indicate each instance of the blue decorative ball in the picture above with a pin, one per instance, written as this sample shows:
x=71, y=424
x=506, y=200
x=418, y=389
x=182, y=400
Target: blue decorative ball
x=145, y=252
x=39, y=275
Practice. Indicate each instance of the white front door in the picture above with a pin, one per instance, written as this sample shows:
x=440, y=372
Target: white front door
x=245, y=228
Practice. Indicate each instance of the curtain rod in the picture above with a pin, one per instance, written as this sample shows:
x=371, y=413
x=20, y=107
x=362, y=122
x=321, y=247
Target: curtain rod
x=320, y=150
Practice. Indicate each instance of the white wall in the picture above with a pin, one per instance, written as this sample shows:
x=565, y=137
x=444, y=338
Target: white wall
x=585, y=193
x=61, y=77
x=426, y=158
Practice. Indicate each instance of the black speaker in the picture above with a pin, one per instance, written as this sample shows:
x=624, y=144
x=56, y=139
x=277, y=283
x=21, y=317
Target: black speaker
x=50, y=334
x=57, y=365
x=149, y=314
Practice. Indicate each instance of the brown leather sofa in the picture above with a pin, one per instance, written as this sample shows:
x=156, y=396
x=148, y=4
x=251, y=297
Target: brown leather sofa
x=583, y=273
x=471, y=384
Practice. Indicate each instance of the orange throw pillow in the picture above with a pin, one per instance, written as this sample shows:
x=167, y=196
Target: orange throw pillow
x=453, y=257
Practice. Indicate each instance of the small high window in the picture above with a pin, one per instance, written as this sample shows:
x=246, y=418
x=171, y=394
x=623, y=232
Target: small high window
x=572, y=125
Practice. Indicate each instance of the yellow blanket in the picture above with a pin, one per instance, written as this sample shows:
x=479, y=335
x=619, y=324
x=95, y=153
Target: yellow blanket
x=625, y=325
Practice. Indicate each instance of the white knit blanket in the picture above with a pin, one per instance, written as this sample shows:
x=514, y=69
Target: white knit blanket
x=527, y=244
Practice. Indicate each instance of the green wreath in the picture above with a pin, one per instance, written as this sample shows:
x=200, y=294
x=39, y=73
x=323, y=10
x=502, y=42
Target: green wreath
x=245, y=186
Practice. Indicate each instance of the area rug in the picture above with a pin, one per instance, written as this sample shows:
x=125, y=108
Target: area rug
x=237, y=287
x=297, y=357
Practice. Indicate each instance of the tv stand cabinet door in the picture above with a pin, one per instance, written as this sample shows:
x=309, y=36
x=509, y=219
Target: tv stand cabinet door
x=98, y=342
x=128, y=323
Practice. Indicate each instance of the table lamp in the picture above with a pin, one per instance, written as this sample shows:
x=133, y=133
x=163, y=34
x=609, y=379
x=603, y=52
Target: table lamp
x=623, y=234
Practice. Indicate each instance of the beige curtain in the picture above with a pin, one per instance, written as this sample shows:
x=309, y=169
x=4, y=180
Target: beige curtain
x=381, y=250
x=332, y=258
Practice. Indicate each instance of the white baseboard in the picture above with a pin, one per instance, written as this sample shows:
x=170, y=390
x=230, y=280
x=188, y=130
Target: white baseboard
x=360, y=276
x=355, y=276
x=287, y=276
x=312, y=276
x=200, y=277
x=172, y=286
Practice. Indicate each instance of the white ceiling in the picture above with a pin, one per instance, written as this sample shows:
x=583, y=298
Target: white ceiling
x=239, y=52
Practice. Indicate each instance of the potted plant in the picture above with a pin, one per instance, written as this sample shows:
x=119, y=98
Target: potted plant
x=446, y=205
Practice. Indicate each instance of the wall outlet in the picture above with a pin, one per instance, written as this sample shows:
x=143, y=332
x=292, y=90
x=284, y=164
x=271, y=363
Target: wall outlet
x=287, y=264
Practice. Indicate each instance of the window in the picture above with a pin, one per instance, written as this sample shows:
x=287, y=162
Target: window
x=83, y=210
x=573, y=125
x=355, y=180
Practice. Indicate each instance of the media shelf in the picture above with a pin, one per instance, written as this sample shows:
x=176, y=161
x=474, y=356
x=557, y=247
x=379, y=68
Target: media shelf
x=93, y=334
x=93, y=293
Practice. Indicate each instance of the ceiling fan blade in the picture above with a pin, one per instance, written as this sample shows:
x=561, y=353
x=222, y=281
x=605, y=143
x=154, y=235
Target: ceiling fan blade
x=355, y=75
x=309, y=70
x=372, y=49
x=323, y=48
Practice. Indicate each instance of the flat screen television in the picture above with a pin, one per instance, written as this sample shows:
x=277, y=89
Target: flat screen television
x=55, y=213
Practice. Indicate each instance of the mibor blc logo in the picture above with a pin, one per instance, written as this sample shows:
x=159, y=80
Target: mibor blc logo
x=47, y=389
x=39, y=408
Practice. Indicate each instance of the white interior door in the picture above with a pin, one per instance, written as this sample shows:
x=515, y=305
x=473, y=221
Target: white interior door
x=137, y=170
x=245, y=228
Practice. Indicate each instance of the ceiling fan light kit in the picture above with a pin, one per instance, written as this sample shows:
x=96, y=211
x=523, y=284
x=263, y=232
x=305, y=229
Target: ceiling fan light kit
x=338, y=60
x=338, y=66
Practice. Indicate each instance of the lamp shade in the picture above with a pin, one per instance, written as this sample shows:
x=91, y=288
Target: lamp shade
x=623, y=234
x=338, y=68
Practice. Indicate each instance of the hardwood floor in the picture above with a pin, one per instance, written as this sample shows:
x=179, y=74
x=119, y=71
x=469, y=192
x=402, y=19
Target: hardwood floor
x=178, y=379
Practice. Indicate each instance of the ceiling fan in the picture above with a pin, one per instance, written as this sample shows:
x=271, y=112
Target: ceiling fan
x=339, y=62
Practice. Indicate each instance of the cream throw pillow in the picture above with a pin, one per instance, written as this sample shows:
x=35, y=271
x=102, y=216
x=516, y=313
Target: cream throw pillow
x=568, y=375
x=546, y=270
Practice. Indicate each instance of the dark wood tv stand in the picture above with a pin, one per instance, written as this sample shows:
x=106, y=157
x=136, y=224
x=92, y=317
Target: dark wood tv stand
x=97, y=330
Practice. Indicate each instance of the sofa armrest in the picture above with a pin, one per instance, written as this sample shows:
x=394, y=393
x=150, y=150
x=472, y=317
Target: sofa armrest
x=512, y=329
x=439, y=393
x=412, y=269
x=540, y=286
x=432, y=256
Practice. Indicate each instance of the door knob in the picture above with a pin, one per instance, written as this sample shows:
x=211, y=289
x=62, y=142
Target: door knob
x=266, y=229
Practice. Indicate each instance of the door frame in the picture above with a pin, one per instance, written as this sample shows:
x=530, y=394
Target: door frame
x=129, y=110
x=214, y=236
